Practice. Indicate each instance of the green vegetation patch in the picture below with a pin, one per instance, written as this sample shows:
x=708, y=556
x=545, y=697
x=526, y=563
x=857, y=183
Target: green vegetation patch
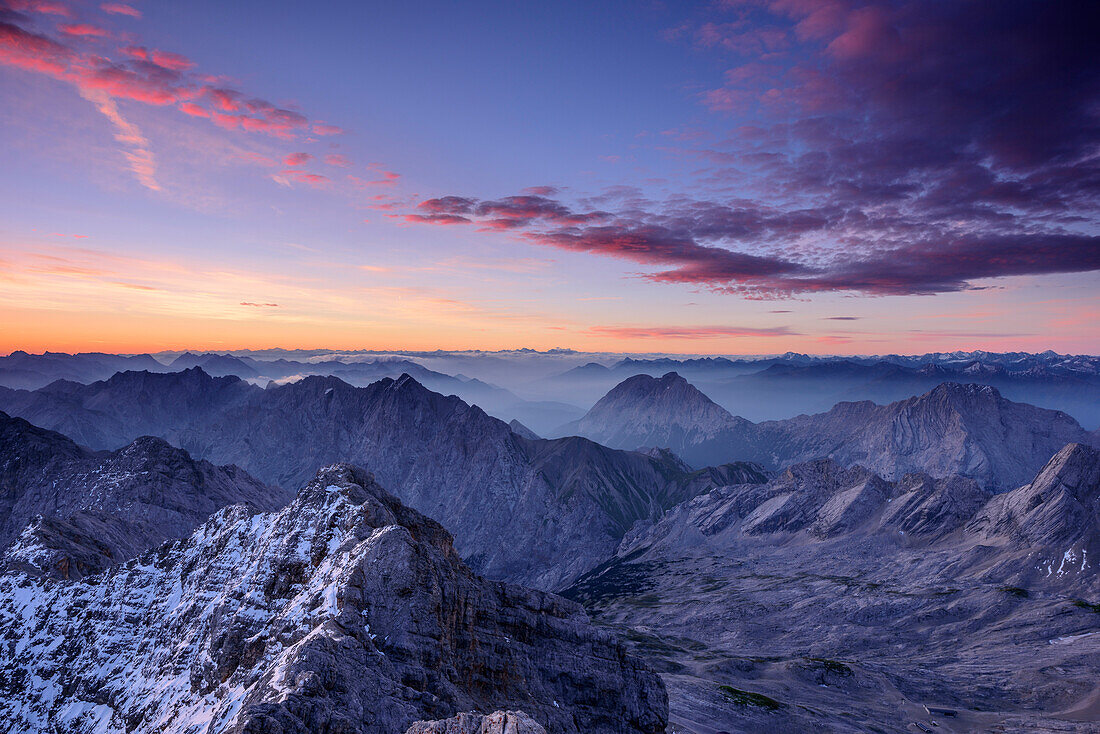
x=1086, y=605
x=1015, y=591
x=748, y=698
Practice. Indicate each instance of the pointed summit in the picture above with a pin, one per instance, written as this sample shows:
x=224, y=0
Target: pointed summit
x=668, y=412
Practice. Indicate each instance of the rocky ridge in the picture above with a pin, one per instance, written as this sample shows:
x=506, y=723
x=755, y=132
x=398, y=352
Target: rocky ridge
x=344, y=611
x=68, y=511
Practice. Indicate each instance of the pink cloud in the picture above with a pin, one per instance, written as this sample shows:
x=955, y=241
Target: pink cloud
x=32, y=52
x=194, y=110
x=163, y=59
x=315, y=180
x=389, y=178
x=121, y=9
x=335, y=159
x=321, y=128
x=224, y=99
x=83, y=29
x=40, y=6
x=297, y=159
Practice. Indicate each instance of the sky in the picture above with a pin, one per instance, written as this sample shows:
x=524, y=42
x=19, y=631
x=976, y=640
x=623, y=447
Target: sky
x=726, y=177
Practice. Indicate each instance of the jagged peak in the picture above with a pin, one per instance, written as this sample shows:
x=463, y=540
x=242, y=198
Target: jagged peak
x=194, y=374
x=960, y=389
x=405, y=380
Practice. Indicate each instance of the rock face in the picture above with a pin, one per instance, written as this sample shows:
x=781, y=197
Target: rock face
x=525, y=510
x=344, y=611
x=68, y=511
x=966, y=430
x=830, y=598
x=1061, y=506
x=498, y=722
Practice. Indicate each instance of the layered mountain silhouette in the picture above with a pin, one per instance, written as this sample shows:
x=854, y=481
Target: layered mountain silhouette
x=20, y=370
x=969, y=430
x=776, y=388
x=343, y=612
x=69, y=512
x=527, y=510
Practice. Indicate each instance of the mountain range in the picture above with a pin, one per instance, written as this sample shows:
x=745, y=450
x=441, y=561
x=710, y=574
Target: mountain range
x=780, y=387
x=954, y=429
x=70, y=512
x=888, y=558
x=527, y=510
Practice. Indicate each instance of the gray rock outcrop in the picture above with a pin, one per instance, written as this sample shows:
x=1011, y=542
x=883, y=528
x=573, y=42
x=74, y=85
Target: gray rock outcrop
x=498, y=722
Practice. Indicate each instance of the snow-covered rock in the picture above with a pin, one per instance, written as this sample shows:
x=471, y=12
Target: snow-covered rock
x=344, y=611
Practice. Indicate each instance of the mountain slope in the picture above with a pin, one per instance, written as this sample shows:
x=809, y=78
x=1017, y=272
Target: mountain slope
x=71, y=511
x=345, y=611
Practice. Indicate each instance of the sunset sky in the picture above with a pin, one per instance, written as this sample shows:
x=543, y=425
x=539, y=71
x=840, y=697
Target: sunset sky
x=750, y=176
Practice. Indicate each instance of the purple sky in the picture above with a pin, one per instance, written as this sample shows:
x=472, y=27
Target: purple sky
x=726, y=177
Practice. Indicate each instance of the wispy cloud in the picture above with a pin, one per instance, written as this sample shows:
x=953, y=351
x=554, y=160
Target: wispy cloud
x=135, y=147
x=687, y=332
x=81, y=54
x=121, y=9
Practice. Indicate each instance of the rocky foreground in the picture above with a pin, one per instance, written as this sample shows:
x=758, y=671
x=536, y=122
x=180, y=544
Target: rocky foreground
x=343, y=612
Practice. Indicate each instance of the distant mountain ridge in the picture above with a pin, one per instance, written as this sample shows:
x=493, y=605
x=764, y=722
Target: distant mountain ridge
x=535, y=511
x=953, y=429
x=775, y=388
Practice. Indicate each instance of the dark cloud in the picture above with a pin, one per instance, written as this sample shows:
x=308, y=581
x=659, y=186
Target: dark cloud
x=892, y=147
